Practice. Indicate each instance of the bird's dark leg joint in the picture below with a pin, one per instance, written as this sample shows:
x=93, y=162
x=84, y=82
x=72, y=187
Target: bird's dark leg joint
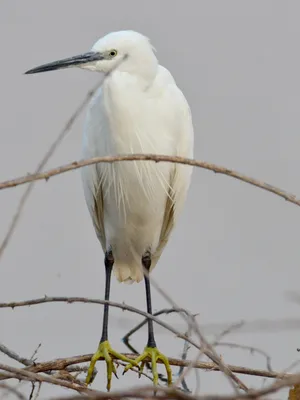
x=146, y=261
x=109, y=259
x=151, y=341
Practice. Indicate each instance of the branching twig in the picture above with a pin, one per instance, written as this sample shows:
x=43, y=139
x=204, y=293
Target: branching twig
x=167, y=311
x=165, y=393
x=24, y=374
x=206, y=349
x=249, y=348
x=62, y=363
x=11, y=354
x=151, y=157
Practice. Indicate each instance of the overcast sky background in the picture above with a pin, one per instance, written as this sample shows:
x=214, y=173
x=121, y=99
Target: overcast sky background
x=235, y=252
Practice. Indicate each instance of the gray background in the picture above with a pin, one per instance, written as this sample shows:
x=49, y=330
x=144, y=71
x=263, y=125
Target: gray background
x=235, y=252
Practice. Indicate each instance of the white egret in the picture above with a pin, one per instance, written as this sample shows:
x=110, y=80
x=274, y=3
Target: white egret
x=133, y=205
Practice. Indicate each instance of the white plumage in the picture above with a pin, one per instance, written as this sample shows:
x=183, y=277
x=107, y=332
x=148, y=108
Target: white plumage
x=134, y=205
x=139, y=109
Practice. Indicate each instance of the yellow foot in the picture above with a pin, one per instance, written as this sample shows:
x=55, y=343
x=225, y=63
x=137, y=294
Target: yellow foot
x=153, y=355
x=107, y=353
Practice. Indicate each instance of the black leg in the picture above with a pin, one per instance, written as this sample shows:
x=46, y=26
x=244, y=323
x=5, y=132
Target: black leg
x=146, y=261
x=109, y=262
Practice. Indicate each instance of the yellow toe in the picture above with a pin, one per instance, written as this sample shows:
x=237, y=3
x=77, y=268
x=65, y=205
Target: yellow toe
x=154, y=355
x=105, y=352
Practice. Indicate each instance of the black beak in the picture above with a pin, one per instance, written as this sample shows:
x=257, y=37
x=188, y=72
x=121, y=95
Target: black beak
x=68, y=62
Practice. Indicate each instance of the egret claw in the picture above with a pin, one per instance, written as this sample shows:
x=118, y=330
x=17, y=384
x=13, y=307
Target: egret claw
x=154, y=354
x=107, y=353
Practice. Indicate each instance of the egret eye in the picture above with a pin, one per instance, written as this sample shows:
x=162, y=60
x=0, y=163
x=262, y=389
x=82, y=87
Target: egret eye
x=113, y=53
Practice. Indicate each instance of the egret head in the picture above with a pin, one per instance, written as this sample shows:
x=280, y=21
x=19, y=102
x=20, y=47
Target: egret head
x=126, y=51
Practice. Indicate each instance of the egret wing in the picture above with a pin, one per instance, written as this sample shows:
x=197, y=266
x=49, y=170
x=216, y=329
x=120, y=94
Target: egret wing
x=92, y=175
x=180, y=176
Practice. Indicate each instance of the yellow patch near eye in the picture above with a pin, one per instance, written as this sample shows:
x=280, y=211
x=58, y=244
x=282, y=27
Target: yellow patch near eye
x=113, y=53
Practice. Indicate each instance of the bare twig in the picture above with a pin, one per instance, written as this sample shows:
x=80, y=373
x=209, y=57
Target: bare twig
x=64, y=363
x=42, y=164
x=60, y=364
x=185, y=350
x=167, y=311
x=30, y=362
x=171, y=393
x=32, y=374
x=126, y=338
x=206, y=349
x=50, y=152
x=227, y=330
x=38, y=391
x=35, y=352
x=24, y=374
x=249, y=348
x=11, y=354
x=156, y=158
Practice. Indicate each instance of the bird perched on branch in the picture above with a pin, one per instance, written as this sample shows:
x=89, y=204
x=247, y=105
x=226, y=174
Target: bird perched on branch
x=133, y=204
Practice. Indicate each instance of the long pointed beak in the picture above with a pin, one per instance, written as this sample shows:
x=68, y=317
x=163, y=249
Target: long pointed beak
x=68, y=62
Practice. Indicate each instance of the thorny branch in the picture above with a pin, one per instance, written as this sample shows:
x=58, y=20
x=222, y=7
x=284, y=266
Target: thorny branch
x=156, y=158
x=204, y=349
x=63, y=363
x=161, y=392
x=32, y=371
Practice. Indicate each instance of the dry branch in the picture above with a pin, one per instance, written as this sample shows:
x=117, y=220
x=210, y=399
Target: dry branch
x=156, y=158
x=62, y=363
x=49, y=153
x=42, y=164
x=205, y=347
x=31, y=373
x=165, y=393
x=24, y=374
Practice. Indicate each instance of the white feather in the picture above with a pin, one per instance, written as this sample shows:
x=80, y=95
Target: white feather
x=139, y=109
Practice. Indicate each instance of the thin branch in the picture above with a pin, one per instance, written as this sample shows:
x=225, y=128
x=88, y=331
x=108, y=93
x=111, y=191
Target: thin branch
x=30, y=374
x=50, y=152
x=60, y=364
x=185, y=350
x=11, y=354
x=30, y=362
x=167, y=311
x=126, y=338
x=38, y=391
x=42, y=164
x=32, y=358
x=156, y=158
x=169, y=393
x=24, y=374
x=249, y=348
x=206, y=349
